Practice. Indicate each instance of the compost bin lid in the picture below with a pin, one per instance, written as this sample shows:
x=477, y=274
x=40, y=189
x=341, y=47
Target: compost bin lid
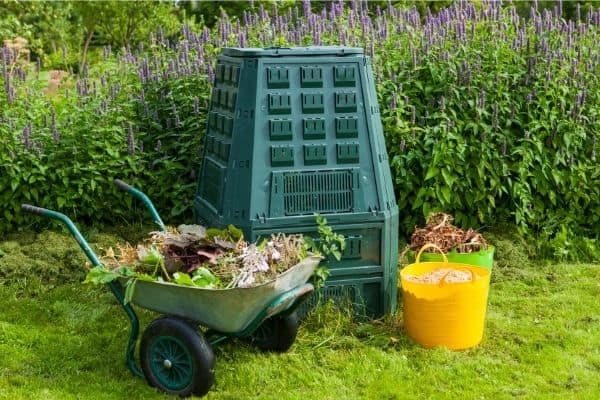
x=291, y=51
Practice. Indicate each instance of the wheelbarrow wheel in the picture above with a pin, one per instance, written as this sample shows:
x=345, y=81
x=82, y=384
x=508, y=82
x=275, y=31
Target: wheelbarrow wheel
x=277, y=333
x=175, y=358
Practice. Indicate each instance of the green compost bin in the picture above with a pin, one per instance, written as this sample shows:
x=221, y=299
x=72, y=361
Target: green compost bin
x=296, y=131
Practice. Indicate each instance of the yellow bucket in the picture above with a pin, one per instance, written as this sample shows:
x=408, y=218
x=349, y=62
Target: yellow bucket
x=444, y=314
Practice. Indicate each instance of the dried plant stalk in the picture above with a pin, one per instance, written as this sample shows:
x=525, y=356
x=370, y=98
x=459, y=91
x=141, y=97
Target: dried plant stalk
x=440, y=232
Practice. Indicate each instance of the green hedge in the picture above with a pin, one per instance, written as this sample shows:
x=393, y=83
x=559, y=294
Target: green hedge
x=488, y=116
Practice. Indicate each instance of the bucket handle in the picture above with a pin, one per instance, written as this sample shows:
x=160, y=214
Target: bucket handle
x=443, y=280
x=430, y=246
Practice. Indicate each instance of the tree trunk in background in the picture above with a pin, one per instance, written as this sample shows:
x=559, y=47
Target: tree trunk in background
x=86, y=45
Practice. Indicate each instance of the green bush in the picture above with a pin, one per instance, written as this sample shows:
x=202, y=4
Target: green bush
x=487, y=116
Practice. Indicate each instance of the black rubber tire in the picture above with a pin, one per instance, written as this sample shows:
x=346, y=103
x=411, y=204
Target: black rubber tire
x=276, y=334
x=177, y=335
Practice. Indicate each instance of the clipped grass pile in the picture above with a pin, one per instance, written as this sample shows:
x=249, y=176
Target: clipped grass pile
x=39, y=262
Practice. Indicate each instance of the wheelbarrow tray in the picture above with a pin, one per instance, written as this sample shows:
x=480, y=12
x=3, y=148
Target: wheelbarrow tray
x=223, y=310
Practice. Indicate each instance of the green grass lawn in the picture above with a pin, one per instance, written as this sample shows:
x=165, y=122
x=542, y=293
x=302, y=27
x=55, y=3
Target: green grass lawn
x=65, y=340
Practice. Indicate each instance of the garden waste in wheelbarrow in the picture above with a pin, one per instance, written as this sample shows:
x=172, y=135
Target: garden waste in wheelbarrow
x=226, y=310
x=175, y=355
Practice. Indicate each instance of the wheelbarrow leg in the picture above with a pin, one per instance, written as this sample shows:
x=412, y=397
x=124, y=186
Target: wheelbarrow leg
x=133, y=334
x=115, y=288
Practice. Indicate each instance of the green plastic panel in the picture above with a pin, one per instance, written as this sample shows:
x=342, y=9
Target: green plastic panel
x=235, y=75
x=346, y=127
x=212, y=189
x=344, y=76
x=347, y=153
x=311, y=77
x=280, y=129
x=303, y=52
x=312, y=103
x=362, y=279
x=279, y=103
x=231, y=101
x=223, y=102
x=278, y=77
x=294, y=132
x=313, y=128
x=309, y=192
x=345, y=102
x=227, y=126
x=219, y=73
x=315, y=154
x=282, y=156
x=212, y=119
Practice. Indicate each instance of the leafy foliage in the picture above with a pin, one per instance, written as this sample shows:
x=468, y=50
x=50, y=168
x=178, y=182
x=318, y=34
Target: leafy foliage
x=488, y=116
x=329, y=243
x=494, y=119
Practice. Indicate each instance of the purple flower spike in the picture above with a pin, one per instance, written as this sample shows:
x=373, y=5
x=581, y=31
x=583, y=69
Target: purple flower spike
x=529, y=97
x=130, y=140
x=211, y=74
x=26, y=136
x=55, y=134
x=393, y=102
x=481, y=100
x=495, y=116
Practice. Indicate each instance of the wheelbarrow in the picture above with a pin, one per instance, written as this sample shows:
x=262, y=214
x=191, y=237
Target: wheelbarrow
x=175, y=350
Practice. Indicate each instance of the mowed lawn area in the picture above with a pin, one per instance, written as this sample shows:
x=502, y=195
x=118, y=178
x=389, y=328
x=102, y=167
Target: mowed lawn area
x=60, y=339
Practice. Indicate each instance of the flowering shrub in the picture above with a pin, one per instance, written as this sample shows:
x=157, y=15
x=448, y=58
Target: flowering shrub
x=487, y=115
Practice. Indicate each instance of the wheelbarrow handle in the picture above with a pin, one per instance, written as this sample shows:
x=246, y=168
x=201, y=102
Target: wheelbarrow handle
x=33, y=209
x=70, y=226
x=114, y=286
x=122, y=185
x=138, y=194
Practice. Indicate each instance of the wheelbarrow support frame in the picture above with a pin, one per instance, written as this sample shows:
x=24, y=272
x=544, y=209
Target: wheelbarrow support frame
x=277, y=318
x=115, y=287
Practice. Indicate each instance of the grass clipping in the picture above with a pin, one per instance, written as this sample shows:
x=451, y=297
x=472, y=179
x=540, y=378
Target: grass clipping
x=440, y=232
x=192, y=255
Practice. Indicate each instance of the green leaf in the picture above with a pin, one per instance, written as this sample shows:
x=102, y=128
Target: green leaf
x=432, y=172
x=182, y=279
x=446, y=193
x=100, y=275
x=129, y=291
x=448, y=178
